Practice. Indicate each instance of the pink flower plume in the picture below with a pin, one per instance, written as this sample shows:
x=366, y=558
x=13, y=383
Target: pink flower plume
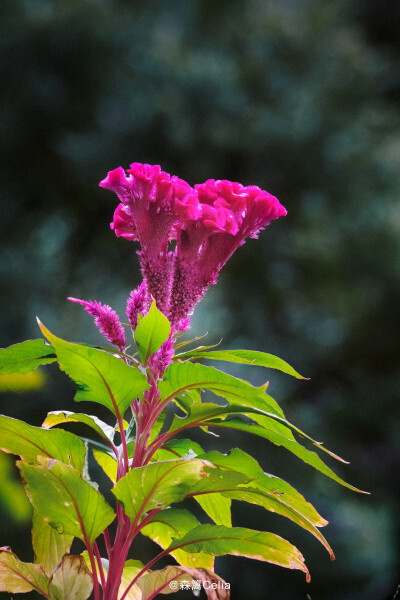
x=106, y=320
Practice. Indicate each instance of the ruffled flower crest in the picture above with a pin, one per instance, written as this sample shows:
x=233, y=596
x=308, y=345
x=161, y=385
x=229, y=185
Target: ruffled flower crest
x=209, y=222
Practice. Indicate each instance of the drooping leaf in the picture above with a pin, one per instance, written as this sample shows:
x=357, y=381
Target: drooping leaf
x=152, y=331
x=71, y=505
x=18, y=577
x=239, y=460
x=105, y=431
x=202, y=414
x=157, y=485
x=214, y=493
x=175, y=523
x=217, y=507
x=99, y=376
x=71, y=580
x=107, y=463
x=158, y=582
x=180, y=377
x=48, y=544
x=220, y=540
x=261, y=491
x=25, y=357
x=282, y=436
x=244, y=357
x=17, y=437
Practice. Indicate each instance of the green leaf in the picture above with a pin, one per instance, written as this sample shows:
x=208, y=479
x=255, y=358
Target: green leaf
x=71, y=580
x=262, y=405
x=181, y=448
x=17, y=437
x=220, y=540
x=275, y=496
x=25, y=357
x=71, y=505
x=280, y=435
x=49, y=546
x=107, y=463
x=202, y=414
x=180, y=377
x=131, y=569
x=152, y=331
x=175, y=523
x=239, y=460
x=244, y=357
x=217, y=507
x=157, y=485
x=18, y=577
x=99, y=376
x=157, y=582
x=56, y=417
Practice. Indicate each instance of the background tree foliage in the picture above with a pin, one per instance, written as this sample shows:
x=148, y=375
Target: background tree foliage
x=300, y=97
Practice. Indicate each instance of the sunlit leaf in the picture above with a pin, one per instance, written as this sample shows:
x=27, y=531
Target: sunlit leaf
x=158, y=582
x=99, y=376
x=157, y=485
x=71, y=505
x=17, y=577
x=246, y=357
x=217, y=507
x=152, y=331
x=17, y=437
x=71, y=580
x=178, y=448
x=187, y=376
x=48, y=544
x=220, y=540
x=56, y=417
x=282, y=436
x=107, y=463
x=175, y=523
x=264, y=490
x=25, y=357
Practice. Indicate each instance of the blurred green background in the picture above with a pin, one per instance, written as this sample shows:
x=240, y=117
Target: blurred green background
x=300, y=97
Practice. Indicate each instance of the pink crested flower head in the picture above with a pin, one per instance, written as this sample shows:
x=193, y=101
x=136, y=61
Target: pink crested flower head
x=106, y=320
x=230, y=212
x=252, y=208
x=152, y=205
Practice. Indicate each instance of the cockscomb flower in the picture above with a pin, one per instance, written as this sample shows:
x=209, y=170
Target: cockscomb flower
x=208, y=223
x=152, y=205
x=106, y=320
x=230, y=212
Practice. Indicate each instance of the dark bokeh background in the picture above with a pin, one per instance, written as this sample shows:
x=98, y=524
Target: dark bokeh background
x=299, y=97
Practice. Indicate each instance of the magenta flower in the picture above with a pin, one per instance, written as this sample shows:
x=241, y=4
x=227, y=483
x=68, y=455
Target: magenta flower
x=106, y=320
x=152, y=205
x=230, y=213
x=208, y=223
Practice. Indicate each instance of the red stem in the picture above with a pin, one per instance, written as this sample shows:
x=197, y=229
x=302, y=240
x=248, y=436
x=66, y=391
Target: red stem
x=100, y=565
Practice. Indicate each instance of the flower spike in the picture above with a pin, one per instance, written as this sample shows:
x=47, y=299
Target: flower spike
x=106, y=320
